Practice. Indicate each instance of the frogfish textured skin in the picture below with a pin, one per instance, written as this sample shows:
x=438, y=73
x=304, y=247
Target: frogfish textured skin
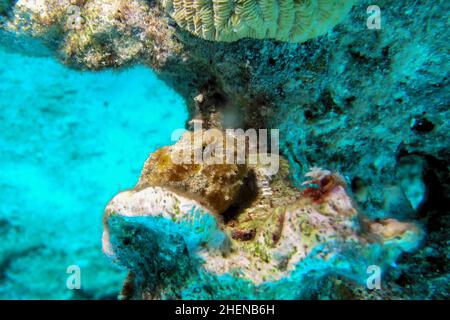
x=231, y=20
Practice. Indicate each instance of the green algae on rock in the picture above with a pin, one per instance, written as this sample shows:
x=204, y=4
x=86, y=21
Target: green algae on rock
x=99, y=33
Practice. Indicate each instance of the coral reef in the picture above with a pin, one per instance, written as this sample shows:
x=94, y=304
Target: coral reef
x=231, y=20
x=95, y=34
x=370, y=104
x=175, y=248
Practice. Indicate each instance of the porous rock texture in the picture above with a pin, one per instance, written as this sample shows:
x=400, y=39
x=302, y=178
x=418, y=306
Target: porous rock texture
x=276, y=246
x=371, y=104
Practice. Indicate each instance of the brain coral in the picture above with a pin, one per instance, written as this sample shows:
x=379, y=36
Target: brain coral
x=231, y=20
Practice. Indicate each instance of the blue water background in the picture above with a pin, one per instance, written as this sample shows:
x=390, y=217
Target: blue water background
x=69, y=141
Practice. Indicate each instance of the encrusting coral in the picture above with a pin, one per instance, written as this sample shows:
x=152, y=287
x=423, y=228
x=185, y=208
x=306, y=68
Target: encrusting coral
x=97, y=33
x=102, y=33
x=231, y=20
x=219, y=20
x=263, y=247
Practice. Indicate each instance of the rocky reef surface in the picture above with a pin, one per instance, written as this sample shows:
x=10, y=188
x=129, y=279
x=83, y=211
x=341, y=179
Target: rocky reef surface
x=247, y=244
x=369, y=104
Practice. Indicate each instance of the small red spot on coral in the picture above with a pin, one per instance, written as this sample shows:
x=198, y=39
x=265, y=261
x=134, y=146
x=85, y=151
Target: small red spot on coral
x=243, y=235
x=324, y=186
x=314, y=193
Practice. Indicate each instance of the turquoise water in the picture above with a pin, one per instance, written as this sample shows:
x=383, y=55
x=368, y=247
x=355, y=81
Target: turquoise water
x=69, y=142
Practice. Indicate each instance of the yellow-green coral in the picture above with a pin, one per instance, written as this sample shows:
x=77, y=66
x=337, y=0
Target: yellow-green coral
x=231, y=20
